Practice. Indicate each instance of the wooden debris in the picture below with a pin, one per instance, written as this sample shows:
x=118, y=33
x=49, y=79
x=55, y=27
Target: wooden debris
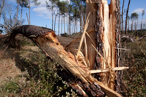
x=50, y=45
x=107, y=70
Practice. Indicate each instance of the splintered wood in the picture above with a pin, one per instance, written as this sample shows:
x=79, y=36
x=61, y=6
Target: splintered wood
x=108, y=38
x=51, y=46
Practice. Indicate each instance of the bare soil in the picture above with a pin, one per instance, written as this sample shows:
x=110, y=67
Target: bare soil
x=12, y=62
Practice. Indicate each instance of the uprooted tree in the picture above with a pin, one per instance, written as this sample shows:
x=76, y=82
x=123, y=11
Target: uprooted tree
x=93, y=58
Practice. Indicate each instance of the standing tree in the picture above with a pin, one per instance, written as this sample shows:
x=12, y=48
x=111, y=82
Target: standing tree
x=127, y=17
x=29, y=13
x=52, y=8
x=23, y=3
x=36, y=3
x=62, y=6
x=132, y=19
x=123, y=15
x=69, y=18
x=9, y=18
x=79, y=11
x=134, y=16
x=76, y=16
x=143, y=12
x=16, y=19
x=2, y=6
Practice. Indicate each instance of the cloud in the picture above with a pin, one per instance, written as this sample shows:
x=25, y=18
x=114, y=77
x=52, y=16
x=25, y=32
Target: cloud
x=139, y=10
x=42, y=12
x=41, y=9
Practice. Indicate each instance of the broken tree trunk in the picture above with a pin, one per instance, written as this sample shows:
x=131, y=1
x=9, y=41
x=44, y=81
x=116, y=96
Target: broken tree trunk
x=108, y=43
x=106, y=37
x=49, y=44
x=90, y=53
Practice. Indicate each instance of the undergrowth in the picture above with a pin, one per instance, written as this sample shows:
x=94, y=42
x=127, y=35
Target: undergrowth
x=135, y=77
x=40, y=80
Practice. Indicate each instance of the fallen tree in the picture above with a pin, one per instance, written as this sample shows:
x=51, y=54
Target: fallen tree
x=47, y=41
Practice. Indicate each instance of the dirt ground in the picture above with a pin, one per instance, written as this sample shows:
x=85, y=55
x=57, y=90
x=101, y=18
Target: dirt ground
x=11, y=62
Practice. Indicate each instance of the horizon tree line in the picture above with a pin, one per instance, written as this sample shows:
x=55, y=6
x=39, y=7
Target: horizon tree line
x=67, y=14
x=133, y=17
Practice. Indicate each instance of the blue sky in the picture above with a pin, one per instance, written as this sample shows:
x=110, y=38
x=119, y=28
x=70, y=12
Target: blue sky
x=41, y=16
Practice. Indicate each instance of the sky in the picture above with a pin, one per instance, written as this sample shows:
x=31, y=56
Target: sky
x=41, y=16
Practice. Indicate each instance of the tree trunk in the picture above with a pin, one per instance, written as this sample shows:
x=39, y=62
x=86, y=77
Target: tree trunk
x=91, y=14
x=59, y=25
x=16, y=19
x=69, y=26
x=132, y=26
x=122, y=15
x=141, y=23
x=75, y=25
x=127, y=17
x=29, y=13
x=81, y=17
x=2, y=6
x=137, y=26
x=119, y=74
x=81, y=24
x=52, y=18
x=21, y=16
x=141, y=26
x=128, y=26
x=64, y=24
x=55, y=22
x=106, y=40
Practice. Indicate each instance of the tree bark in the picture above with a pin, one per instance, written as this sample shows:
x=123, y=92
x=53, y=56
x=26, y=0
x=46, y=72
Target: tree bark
x=106, y=40
x=127, y=16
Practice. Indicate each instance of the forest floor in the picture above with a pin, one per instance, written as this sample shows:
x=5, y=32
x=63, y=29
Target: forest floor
x=24, y=71
x=16, y=66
